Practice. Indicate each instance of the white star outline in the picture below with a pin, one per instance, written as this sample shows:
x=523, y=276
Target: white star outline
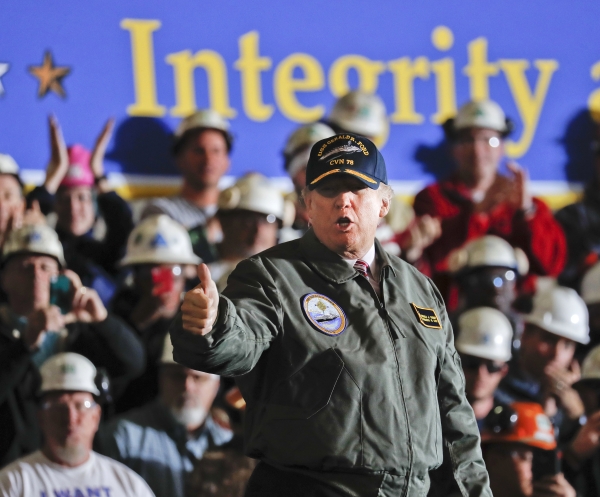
x=4, y=67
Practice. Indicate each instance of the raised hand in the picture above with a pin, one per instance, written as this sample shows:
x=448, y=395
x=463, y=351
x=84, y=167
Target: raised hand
x=97, y=159
x=520, y=196
x=422, y=233
x=587, y=441
x=558, y=383
x=59, y=158
x=200, y=305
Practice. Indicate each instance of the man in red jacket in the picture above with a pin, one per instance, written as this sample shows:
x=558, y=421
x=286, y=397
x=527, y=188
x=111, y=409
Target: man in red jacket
x=476, y=200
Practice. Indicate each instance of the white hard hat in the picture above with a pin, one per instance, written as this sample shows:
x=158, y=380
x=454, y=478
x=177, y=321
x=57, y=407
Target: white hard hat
x=483, y=114
x=306, y=136
x=489, y=250
x=590, y=369
x=485, y=332
x=8, y=165
x=590, y=285
x=299, y=143
x=255, y=196
x=68, y=371
x=562, y=312
x=204, y=119
x=159, y=240
x=362, y=113
x=34, y=239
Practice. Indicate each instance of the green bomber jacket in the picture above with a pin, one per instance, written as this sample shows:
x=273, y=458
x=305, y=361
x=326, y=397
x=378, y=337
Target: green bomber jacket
x=353, y=389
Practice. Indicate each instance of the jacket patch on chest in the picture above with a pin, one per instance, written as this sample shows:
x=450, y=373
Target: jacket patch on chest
x=324, y=314
x=427, y=317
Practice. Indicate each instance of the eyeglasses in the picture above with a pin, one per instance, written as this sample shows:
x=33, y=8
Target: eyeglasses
x=474, y=363
x=493, y=141
x=486, y=279
x=57, y=406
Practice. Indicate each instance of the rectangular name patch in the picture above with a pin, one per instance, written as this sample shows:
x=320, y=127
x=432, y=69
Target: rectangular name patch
x=427, y=317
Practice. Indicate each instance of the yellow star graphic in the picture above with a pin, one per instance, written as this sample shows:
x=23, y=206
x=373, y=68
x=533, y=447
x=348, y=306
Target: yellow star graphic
x=50, y=76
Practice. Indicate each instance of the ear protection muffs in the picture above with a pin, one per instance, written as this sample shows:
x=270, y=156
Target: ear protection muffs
x=102, y=382
x=501, y=419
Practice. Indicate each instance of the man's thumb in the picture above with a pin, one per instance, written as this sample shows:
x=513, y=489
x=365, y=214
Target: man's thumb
x=204, y=277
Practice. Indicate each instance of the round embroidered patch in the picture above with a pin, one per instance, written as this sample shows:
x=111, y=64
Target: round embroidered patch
x=324, y=314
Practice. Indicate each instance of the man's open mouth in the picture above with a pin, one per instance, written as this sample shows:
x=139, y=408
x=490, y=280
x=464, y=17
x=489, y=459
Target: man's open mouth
x=343, y=222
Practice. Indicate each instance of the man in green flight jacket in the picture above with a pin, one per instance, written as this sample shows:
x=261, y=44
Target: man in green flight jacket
x=343, y=353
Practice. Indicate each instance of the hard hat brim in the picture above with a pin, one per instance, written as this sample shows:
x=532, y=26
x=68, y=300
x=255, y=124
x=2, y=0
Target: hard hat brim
x=149, y=259
x=555, y=330
x=481, y=351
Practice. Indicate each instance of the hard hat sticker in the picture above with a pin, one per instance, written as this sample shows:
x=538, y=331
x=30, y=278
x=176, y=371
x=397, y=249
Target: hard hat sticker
x=427, y=317
x=324, y=314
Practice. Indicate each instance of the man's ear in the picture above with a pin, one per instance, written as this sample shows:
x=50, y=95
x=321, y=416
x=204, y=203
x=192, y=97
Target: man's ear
x=97, y=416
x=385, y=207
x=306, y=198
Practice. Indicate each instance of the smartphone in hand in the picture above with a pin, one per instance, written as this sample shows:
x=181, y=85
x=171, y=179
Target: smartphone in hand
x=545, y=463
x=61, y=294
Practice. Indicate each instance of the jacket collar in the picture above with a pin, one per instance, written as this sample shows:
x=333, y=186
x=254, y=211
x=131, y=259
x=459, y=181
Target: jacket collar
x=332, y=266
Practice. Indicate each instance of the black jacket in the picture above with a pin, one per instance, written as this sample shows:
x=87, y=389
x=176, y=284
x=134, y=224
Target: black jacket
x=110, y=344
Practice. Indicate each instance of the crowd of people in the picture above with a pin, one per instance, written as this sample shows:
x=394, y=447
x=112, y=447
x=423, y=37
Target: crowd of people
x=93, y=404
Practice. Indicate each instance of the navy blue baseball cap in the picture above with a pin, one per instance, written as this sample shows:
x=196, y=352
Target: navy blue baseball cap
x=346, y=153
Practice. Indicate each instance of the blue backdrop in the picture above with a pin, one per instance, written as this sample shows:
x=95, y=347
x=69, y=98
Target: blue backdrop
x=271, y=65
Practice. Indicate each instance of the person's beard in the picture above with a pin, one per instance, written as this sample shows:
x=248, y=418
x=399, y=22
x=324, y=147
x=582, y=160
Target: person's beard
x=190, y=417
x=71, y=454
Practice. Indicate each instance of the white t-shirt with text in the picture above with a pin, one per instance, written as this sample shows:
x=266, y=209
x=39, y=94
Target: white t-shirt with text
x=36, y=476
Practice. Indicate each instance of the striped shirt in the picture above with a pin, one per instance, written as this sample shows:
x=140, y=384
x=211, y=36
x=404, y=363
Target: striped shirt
x=181, y=210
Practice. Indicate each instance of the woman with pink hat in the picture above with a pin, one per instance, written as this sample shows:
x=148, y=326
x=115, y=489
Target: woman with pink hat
x=76, y=189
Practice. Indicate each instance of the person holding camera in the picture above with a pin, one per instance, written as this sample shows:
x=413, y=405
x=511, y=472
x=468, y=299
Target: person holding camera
x=519, y=450
x=49, y=311
x=159, y=256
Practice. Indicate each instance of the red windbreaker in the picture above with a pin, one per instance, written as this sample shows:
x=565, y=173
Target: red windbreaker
x=539, y=235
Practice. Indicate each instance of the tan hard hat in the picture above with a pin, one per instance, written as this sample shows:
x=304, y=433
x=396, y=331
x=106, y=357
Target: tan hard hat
x=362, y=113
x=33, y=239
x=254, y=193
x=488, y=250
x=481, y=114
x=590, y=285
x=204, y=118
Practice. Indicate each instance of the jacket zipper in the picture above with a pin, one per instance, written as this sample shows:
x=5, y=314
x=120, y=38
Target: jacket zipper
x=394, y=335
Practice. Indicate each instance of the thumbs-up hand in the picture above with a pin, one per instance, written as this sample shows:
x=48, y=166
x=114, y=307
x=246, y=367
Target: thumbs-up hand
x=200, y=305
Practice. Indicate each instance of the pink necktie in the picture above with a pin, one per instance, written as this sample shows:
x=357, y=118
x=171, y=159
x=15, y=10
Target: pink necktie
x=362, y=267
